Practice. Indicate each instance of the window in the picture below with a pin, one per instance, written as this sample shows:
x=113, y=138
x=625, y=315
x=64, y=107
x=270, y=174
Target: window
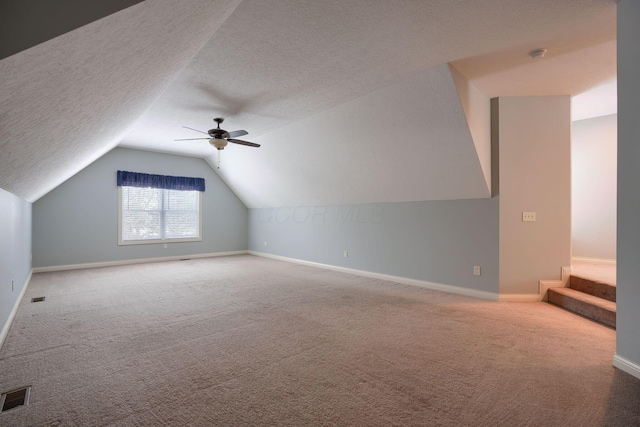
x=156, y=215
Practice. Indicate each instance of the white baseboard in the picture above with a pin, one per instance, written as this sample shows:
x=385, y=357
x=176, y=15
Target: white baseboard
x=566, y=275
x=544, y=285
x=626, y=365
x=604, y=261
x=398, y=279
x=541, y=296
x=14, y=310
x=519, y=297
x=133, y=261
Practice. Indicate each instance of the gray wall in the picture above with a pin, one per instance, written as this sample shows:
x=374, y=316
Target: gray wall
x=15, y=251
x=594, y=144
x=436, y=241
x=77, y=222
x=628, y=250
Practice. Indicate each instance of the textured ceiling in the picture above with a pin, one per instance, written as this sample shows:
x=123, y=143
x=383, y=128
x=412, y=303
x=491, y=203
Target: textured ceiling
x=69, y=100
x=26, y=23
x=352, y=101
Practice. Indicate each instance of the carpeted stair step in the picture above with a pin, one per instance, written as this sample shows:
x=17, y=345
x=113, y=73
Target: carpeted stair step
x=593, y=287
x=593, y=307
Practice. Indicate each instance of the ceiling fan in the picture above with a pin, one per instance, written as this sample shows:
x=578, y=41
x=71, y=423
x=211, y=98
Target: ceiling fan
x=220, y=137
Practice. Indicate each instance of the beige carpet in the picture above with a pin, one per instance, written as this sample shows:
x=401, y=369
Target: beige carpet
x=244, y=341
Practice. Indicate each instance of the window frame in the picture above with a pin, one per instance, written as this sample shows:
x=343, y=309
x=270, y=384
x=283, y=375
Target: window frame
x=122, y=242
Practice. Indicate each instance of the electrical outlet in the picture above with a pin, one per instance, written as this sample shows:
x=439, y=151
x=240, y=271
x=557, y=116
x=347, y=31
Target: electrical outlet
x=528, y=216
x=12, y=283
x=165, y=246
x=265, y=243
x=476, y=270
x=346, y=254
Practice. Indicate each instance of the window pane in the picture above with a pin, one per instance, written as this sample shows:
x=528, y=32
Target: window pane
x=139, y=225
x=135, y=198
x=182, y=200
x=141, y=213
x=181, y=225
x=181, y=214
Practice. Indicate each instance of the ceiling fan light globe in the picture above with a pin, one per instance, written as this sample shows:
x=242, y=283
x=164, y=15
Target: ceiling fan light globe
x=219, y=143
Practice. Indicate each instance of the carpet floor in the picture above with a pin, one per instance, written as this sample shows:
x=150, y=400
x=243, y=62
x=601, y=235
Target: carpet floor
x=249, y=341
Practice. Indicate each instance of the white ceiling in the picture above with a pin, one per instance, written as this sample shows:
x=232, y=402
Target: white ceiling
x=601, y=100
x=351, y=101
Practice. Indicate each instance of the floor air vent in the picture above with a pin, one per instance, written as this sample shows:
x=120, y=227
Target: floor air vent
x=15, y=398
x=37, y=299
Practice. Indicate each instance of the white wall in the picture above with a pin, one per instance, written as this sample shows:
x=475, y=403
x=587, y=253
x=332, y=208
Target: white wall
x=628, y=250
x=77, y=223
x=477, y=110
x=594, y=149
x=15, y=254
x=534, y=144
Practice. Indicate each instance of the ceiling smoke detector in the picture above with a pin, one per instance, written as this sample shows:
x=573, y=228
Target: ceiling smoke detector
x=538, y=53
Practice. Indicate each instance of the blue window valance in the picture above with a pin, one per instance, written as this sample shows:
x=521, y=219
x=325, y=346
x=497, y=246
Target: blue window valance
x=137, y=179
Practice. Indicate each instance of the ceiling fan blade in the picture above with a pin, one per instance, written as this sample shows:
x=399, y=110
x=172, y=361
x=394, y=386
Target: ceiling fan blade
x=187, y=127
x=190, y=139
x=238, y=133
x=241, y=142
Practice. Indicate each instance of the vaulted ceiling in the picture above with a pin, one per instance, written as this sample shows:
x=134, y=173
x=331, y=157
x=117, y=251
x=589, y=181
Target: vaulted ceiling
x=353, y=101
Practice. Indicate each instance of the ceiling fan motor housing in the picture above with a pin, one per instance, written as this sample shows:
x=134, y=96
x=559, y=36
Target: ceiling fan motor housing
x=218, y=133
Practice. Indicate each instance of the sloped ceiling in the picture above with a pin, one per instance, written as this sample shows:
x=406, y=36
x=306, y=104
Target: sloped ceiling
x=407, y=141
x=69, y=100
x=27, y=23
x=352, y=101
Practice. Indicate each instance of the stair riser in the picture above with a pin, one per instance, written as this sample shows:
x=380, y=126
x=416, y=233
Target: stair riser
x=592, y=312
x=591, y=287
